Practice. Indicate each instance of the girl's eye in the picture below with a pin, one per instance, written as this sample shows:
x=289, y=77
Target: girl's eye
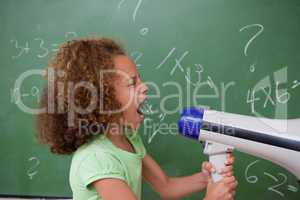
x=132, y=82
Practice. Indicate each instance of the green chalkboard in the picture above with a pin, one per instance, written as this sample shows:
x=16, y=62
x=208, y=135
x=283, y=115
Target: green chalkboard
x=222, y=49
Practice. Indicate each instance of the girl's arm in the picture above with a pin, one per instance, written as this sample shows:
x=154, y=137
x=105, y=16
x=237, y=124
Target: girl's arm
x=171, y=187
x=112, y=189
x=178, y=187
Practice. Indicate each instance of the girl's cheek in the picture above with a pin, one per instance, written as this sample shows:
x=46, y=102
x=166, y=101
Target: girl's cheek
x=127, y=96
x=132, y=94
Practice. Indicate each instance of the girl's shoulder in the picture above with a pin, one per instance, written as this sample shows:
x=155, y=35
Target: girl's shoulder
x=101, y=147
x=94, y=161
x=97, y=145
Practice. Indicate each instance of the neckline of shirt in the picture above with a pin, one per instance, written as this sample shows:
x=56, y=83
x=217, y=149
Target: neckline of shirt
x=130, y=138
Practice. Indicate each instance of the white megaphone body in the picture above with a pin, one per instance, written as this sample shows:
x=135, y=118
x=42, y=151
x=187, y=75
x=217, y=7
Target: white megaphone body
x=272, y=139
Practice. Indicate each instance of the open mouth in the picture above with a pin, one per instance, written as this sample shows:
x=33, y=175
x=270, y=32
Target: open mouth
x=142, y=108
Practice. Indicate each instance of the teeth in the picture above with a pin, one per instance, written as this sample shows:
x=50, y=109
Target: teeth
x=139, y=110
x=143, y=108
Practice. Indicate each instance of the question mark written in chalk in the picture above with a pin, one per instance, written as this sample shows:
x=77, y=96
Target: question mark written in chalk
x=143, y=31
x=32, y=171
x=138, y=5
x=261, y=29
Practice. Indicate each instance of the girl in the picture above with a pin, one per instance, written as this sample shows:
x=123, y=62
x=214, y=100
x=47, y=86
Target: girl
x=93, y=101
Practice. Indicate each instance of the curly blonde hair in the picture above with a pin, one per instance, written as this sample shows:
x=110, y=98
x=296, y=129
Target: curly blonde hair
x=78, y=61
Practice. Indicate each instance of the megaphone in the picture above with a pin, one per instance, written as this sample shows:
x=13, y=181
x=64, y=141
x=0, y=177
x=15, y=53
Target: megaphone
x=277, y=140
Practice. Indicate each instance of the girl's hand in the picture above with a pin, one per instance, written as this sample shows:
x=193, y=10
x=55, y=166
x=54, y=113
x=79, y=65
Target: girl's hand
x=227, y=171
x=224, y=189
x=221, y=190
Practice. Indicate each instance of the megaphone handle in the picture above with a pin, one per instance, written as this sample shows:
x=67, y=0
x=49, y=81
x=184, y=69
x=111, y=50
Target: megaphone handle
x=218, y=161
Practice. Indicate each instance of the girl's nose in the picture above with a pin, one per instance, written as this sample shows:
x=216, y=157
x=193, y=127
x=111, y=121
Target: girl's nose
x=143, y=88
x=142, y=93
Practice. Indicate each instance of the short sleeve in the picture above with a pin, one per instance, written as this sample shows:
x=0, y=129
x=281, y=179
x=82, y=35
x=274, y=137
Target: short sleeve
x=98, y=166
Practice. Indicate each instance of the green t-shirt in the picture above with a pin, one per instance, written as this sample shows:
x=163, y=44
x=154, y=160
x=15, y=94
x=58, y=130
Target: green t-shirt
x=100, y=159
